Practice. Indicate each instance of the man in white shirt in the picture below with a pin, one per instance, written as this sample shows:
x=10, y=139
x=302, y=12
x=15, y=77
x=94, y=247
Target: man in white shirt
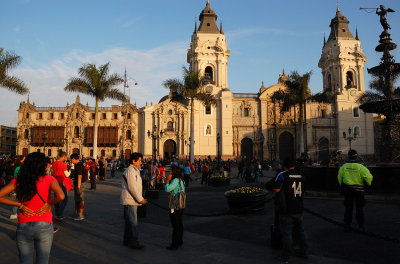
x=131, y=198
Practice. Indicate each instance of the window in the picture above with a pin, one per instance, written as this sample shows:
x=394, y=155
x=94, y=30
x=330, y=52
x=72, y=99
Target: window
x=208, y=110
x=208, y=74
x=26, y=134
x=103, y=152
x=170, y=126
x=93, y=116
x=349, y=79
x=91, y=153
x=76, y=115
x=76, y=132
x=246, y=111
x=356, y=111
x=329, y=83
x=49, y=152
x=27, y=115
x=170, y=112
x=129, y=115
x=208, y=130
x=104, y=116
x=208, y=24
x=115, y=116
x=128, y=134
x=114, y=153
x=40, y=116
x=323, y=113
x=357, y=131
x=62, y=116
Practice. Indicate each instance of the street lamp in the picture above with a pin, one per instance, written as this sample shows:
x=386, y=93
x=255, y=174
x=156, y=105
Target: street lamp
x=350, y=136
x=45, y=136
x=218, y=140
x=155, y=134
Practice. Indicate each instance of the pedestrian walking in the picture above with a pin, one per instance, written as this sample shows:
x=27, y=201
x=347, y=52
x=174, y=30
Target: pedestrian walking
x=131, y=198
x=61, y=174
x=93, y=174
x=352, y=178
x=79, y=187
x=35, y=226
x=177, y=202
x=186, y=170
x=205, y=172
x=289, y=191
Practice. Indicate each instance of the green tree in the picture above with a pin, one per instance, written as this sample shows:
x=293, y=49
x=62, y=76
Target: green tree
x=8, y=61
x=297, y=94
x=97, y=83
x=191, y=88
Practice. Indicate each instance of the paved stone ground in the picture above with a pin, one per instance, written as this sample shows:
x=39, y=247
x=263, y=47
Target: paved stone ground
x=222, y=239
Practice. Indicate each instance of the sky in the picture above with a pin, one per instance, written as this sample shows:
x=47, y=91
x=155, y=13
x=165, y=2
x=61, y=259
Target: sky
x=150, y=39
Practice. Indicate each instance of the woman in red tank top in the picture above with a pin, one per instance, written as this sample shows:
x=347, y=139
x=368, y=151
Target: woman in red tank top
x=35, y=226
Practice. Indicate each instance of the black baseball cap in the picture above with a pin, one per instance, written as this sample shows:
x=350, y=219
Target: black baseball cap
x=352, y=153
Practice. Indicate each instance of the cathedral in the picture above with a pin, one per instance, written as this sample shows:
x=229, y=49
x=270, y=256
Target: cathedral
x=241, y=125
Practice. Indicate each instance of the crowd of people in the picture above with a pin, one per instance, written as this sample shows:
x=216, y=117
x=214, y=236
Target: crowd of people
x=29, y=182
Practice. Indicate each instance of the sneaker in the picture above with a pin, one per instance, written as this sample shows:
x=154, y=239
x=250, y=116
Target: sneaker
x=13, y=216
x=56, y=229
x=79, y=218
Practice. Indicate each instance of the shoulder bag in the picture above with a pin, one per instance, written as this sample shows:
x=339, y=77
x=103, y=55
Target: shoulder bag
x=177, y=202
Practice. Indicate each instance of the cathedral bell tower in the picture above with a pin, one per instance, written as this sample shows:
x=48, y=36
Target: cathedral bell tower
x=208, y=51
x=342, y=64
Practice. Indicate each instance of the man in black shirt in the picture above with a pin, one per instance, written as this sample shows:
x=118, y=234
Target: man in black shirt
x=289, y=188
x=79, y=179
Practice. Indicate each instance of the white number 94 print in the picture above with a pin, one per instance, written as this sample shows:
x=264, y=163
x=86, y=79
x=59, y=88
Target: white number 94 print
x=297, y=189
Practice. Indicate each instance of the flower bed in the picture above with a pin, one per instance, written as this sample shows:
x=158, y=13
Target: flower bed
x=246, y=199
x=219, y=180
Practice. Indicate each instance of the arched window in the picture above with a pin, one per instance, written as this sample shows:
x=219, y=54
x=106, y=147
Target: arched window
x=26, y=134
x=103, y=152
x=208, y=74
x=170, y=112
x=357, y=131
x=356, y=111
x=170, y=126
x=208, y=130
x=114, y=153
x=349, y=79
x=76, y=132
x=128, y=134
x=329, y=83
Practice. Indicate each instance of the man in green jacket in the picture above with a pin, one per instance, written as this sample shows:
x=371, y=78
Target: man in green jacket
x=352, y=178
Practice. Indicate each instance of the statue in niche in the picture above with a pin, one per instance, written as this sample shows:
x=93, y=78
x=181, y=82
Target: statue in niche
x=208, y=130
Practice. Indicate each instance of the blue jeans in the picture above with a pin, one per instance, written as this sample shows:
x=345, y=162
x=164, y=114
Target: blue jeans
x=38, y=235
x=131, y=234
x=59, y=208
x=289, y=225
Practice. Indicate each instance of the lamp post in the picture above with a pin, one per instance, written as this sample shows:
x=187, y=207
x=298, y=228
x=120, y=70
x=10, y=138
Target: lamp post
x=45, y=136
x=350, y=137
x=218, y=152
x=155, y=134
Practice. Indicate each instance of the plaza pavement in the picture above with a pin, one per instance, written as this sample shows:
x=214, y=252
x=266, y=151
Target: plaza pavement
x=221, y=239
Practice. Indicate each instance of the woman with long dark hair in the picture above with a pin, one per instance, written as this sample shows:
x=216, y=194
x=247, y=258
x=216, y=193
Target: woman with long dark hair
x=175, y=185
x=35, y=226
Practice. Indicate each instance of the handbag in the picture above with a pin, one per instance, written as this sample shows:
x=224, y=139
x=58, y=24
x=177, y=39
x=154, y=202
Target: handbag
x=177, y=202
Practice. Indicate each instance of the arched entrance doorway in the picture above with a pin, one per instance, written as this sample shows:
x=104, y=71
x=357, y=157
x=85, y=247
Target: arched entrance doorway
x=286, y=146
x=247, y=148
x=169, y=148
x=127, y=153
x=323, y=150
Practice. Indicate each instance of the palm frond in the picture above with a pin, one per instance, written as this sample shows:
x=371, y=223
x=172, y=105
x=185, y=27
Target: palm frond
x=206, y=98
x=117, y=95
x=370, y=96
x=323, y=97
x=79, y=85
x=174, y=85
x=14, y=84
x=8, y=60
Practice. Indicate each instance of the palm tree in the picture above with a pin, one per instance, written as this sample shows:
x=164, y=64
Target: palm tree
x=97, y=83
x=192, y=88
x=8, y=61
x=297, y=94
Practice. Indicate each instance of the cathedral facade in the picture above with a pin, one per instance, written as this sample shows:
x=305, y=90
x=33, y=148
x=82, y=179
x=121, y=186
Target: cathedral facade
x=241, y=125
